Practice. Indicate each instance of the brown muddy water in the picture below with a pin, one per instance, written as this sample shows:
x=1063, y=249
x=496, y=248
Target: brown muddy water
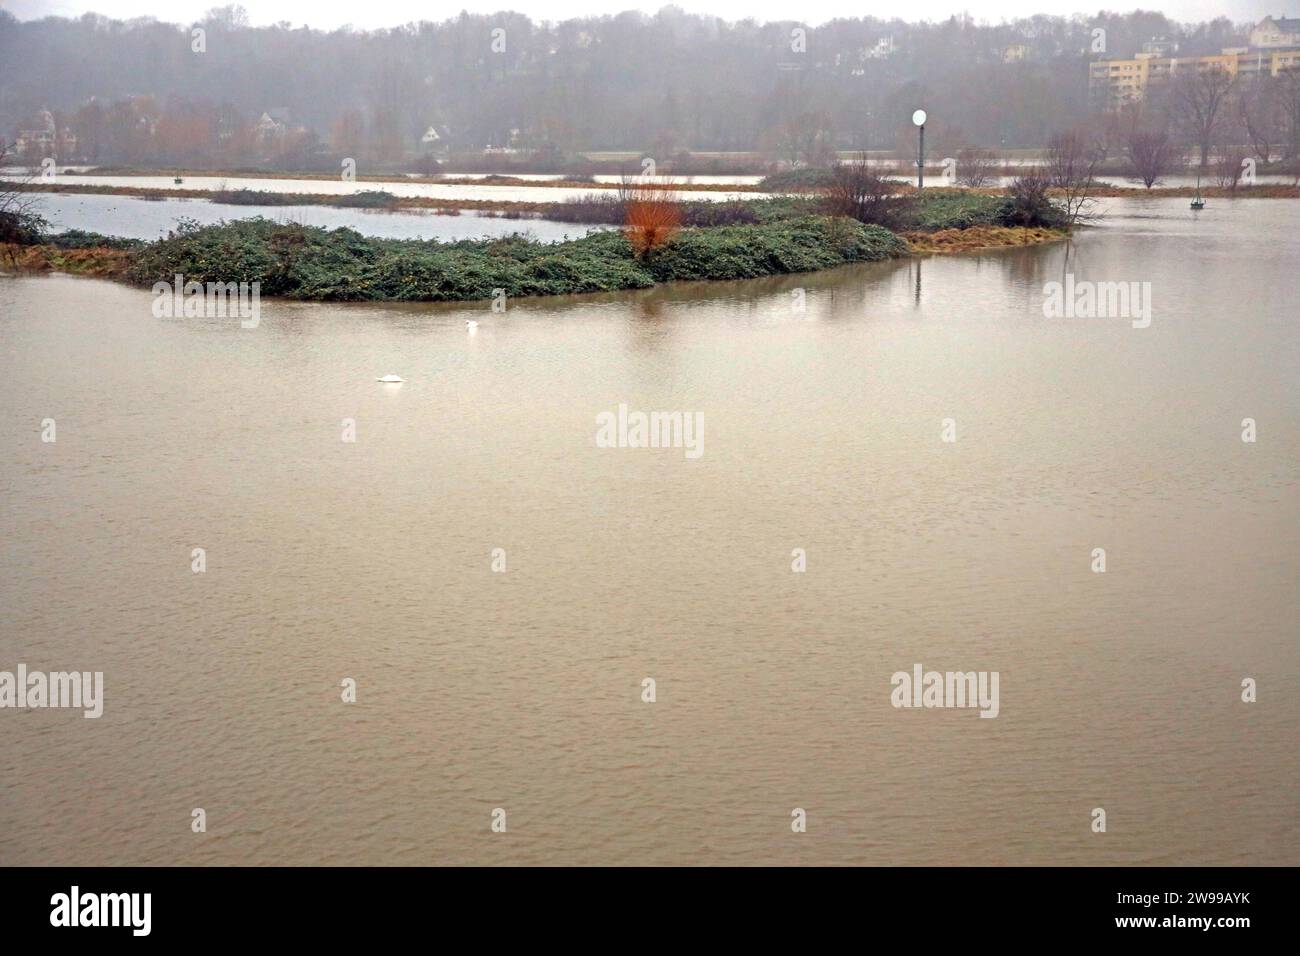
x=522, y=690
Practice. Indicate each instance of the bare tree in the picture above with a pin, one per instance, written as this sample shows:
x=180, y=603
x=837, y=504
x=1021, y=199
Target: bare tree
x=1199, y=101
x=802, y=138
x=1072, y=161
x=1030, y=205
x=1229, y=166
x=1288, y=92
x=1150, y=150
x=859, y=192
x=975, y=167
x=1258, y=109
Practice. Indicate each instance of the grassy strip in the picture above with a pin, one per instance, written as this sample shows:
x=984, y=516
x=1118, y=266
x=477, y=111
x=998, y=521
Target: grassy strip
x=309, y=263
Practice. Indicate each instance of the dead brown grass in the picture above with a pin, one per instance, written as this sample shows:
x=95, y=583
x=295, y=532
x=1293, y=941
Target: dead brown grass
x=980, y=237
x=99, y=262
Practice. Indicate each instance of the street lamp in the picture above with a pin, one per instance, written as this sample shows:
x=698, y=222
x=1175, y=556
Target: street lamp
x=918, y=120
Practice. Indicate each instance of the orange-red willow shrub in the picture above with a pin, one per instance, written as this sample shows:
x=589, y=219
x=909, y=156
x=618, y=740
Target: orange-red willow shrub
x=653, y=215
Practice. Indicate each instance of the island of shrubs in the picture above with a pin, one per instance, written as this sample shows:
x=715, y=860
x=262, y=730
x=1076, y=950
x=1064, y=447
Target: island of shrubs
x=661, y=240
x=303, y=262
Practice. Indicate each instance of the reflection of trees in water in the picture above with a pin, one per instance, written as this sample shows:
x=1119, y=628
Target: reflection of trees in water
x=847, y=292
x=1034, y=265
x=842, y=291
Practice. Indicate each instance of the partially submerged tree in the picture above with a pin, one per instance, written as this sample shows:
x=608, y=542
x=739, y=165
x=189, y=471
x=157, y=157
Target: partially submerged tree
x=1199, y=98
x=976, y=167
x=1072, y=161
x=1229, y=166
x=1150, y=149
x=1259, y=110
x=1288, y=92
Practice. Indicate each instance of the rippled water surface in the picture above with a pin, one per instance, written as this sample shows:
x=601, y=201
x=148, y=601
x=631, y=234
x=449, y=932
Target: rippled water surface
x=522, y=690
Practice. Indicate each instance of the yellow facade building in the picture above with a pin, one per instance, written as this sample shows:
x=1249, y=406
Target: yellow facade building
x=1116, y=83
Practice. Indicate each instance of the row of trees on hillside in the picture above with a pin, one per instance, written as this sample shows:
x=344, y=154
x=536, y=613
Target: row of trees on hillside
x=658, y=84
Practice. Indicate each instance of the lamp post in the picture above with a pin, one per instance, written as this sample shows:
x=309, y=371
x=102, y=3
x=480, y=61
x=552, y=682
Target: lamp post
x=918, y=120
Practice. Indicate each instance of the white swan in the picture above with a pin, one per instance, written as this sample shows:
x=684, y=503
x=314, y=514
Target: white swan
x=471, y=324
x=391, y=379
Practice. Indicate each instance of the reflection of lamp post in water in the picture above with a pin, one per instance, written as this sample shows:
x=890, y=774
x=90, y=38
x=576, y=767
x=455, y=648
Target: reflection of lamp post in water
x=918, y=120
x=918, y=281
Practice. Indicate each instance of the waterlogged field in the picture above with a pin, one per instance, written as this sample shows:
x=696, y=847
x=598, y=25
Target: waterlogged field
x=340, y=187
x=132, y=218
x=904, y=468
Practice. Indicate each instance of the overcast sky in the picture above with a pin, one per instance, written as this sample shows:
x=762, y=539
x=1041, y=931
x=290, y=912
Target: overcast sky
x=382, y=13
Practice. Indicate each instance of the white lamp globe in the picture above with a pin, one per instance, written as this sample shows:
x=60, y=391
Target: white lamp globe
x=918, y=118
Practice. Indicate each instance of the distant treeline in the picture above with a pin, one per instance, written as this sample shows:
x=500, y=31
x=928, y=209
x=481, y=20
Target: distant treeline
x=146, y=92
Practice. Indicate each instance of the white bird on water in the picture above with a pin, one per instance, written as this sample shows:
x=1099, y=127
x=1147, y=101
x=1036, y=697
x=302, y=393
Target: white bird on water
x=471, y=324
x=391, y=380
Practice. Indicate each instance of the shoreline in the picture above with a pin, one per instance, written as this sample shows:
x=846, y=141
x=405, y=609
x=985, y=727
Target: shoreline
x=114, y=264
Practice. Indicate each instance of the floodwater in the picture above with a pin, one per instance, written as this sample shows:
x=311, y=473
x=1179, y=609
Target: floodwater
x=132, y=218
x=340, y=187
x=633, y=170
x=513, y=193
x=522, y=689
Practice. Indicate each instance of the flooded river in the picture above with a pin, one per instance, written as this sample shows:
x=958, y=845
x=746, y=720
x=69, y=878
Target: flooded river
x=500, y=587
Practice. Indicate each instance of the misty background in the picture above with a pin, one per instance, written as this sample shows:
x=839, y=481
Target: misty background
x=292, y=97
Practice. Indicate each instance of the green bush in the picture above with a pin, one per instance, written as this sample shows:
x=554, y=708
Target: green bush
x=796, y=180
x=80, y=239
x=255, y=197
x=748, y=252
x=367, y=199
x=22, y=227
x=961, y=209
x=1029, y=205
x=311, y=263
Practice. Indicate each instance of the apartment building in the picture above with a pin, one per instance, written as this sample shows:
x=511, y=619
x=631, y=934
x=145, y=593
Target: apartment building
x=1115, y=83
